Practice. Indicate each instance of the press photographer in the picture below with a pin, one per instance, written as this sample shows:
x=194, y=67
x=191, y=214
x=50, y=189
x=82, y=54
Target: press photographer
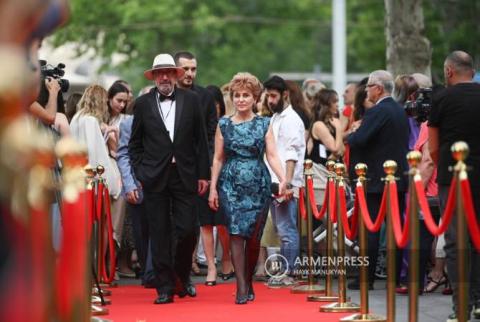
x=49, y=106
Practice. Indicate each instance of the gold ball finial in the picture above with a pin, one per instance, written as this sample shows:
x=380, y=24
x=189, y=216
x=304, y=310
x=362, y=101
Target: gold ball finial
x=308, y=164
x=330, y=165
x=100, y=169
x=414, y=158
x=390, y=167
x=89, y=170
x=460, y=151
x=339, y=169
x=361, y=169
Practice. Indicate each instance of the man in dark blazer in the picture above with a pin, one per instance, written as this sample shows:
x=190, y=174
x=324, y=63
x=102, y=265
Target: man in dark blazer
x=169, y=154
x=382, y=136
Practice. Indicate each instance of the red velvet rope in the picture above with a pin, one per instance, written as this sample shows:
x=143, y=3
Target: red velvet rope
x=108, y=278
x=401, y=236
x=89, y=210
x=331, y=201
x=99, y=203
x=351, y=233
x=362, y=203
x=313, y=204
x=100, y=227
x=471, y=217
x=301, y=202
x=427, y=215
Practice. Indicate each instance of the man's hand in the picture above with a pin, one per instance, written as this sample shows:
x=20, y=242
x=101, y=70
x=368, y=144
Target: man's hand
x=202, y=187
x=132, y=196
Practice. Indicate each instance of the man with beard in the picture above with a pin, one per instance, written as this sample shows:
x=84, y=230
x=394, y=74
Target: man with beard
x=289, y=134
x=169, y=155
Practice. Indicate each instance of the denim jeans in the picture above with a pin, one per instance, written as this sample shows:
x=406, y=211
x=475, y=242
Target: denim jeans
x=284, y=217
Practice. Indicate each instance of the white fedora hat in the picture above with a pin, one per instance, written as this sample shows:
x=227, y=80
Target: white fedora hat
x=163, y=61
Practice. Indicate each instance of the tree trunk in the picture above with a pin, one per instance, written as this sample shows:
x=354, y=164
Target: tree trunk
x=408, y=51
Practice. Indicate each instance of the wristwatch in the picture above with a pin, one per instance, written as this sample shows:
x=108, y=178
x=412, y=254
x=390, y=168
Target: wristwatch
x=288, y=186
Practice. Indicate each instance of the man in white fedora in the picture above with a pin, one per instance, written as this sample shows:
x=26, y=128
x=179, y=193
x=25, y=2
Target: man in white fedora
x=169, y=154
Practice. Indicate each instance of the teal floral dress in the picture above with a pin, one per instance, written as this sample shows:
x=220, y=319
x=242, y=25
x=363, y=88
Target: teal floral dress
x=244, y=184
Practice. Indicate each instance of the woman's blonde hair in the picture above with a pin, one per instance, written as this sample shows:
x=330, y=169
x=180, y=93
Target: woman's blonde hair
x=246, y=81
x=94, y=102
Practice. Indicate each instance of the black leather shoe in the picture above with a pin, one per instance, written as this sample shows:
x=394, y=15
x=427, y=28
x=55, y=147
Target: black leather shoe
x=163, y=299
x=189, y=290
x=355, y=285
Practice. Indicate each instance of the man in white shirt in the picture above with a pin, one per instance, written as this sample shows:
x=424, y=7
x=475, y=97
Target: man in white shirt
x=289, y=135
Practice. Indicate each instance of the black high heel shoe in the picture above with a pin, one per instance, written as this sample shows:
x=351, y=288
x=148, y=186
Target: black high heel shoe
x=241, y=299
x=227, y=276
x=251, y=294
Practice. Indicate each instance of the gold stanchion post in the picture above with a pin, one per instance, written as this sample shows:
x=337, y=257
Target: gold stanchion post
x=414, y=158
x=390, y=167
x=310, y=287
x=342, y=305
x=364, y=315
x=460, y=152
x=329, y=295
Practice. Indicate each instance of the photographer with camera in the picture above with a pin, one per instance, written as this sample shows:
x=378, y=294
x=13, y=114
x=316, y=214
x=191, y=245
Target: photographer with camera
x=49, y=102
x=455, y=116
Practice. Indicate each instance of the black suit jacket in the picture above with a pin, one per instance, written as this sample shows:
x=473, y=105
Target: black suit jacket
x=207, y=104
x=151, y=149
x=383, y=135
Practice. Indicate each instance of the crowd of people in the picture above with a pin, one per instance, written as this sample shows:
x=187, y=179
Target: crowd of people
x=193, y=163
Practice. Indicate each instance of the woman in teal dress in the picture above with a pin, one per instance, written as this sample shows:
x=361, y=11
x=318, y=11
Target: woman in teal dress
x=240, y=182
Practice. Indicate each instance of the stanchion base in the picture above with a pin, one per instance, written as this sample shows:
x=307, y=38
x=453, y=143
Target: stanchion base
x=96, y=291
x=323, y=298
x=105, y=285
x=340, y=307
x=98, y=310
x=96, y=319
x=364, y=317
x=98, y=300
x=308, y=289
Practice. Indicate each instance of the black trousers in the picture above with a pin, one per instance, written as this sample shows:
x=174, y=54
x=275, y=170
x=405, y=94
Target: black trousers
x=473, y=256
x=373, y=204
x=140, y=231
x=171, y=222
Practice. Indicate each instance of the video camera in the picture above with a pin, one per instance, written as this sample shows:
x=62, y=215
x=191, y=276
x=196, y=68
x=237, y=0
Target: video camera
x=421, y=106
x=55, y=73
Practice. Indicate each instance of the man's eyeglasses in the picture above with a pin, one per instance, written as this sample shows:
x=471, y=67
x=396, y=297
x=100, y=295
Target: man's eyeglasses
x=371, y=85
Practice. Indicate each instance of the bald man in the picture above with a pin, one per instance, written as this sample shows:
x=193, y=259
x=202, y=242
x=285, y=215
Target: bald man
x=455, y=116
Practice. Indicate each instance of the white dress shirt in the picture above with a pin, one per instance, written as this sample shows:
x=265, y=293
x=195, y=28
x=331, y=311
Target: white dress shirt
x=167, y=113
x=289, y=133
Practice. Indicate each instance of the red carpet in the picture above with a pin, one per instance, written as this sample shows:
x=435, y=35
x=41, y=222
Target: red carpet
x=216, y=304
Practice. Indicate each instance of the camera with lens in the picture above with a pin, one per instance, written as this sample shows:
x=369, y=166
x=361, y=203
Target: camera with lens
x=54, y=74
x=420, y=106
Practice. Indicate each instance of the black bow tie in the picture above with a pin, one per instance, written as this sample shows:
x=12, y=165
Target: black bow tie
x=165, y=97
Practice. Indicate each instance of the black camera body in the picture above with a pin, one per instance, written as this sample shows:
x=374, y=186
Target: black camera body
x=48, y=71
x=420, y=108
x=53, y=73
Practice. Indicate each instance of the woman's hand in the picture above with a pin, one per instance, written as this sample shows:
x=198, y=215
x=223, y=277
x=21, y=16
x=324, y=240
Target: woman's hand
x=213, y=199
x=336, y=124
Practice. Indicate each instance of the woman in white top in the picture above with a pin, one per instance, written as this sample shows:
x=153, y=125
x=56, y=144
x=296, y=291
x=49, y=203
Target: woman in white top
x=89, y=126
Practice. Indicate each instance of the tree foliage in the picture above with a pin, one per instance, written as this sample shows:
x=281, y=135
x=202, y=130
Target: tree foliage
x=251, y=35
